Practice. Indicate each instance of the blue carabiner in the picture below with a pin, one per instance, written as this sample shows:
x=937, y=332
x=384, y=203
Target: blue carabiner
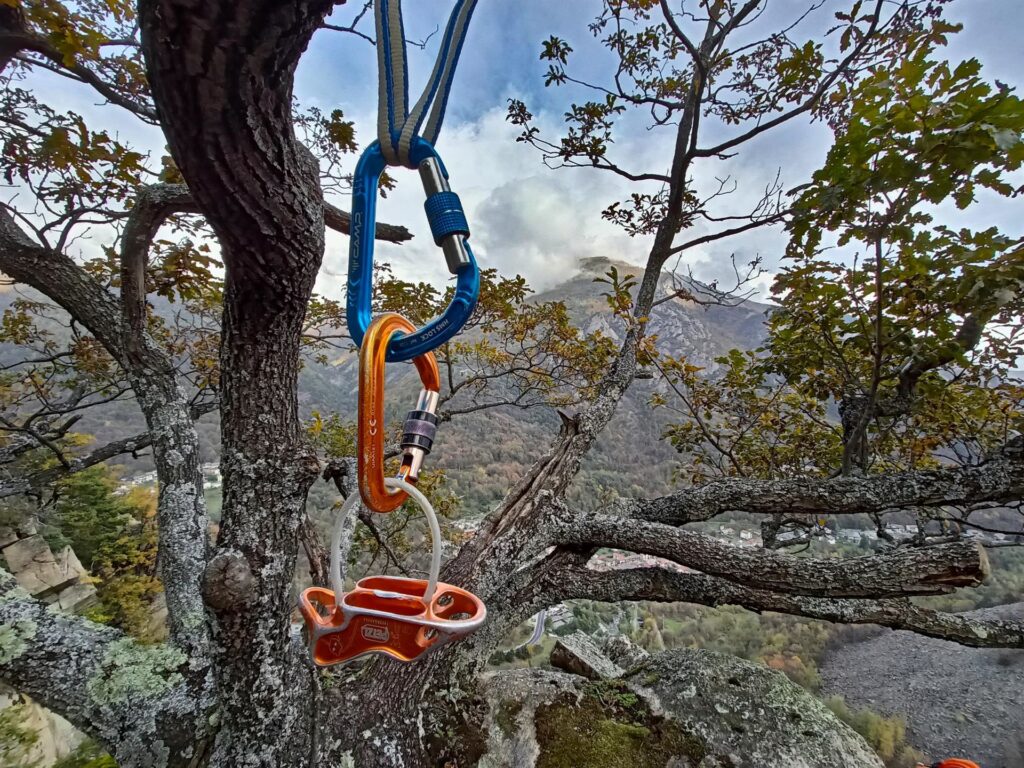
x=448, y=225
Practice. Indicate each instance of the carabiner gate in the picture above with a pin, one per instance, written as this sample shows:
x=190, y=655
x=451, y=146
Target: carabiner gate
x=450, y=230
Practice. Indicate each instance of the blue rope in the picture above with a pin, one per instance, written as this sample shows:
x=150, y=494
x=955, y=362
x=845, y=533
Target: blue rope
x=398, y=127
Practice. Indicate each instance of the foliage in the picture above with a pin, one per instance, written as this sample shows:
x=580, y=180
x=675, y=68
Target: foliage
x=88, y=754
x=127, y=570
x=890, y=309
x=923, y=322
x=513, y=351
x=16, y=738
x=115, y=536
x=87, y=514
x=887, y=736
x=741, y=423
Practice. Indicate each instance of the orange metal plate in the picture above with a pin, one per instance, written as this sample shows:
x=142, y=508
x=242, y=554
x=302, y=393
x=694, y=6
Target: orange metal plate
x=386, y=614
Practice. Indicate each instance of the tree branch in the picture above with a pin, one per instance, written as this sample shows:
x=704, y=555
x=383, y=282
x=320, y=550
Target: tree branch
x=966, y=339
x=341, y=221
x=138, y=701
x=660, y=585
x=159, y=201
x=998, y=480
x=897, y=572
x=181, y=510
x=25, y=41
x=810, y=102
x=153, y=206
x=721, y=234
x=97, y=456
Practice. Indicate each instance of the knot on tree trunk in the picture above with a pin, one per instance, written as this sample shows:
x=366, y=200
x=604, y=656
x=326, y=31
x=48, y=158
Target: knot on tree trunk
x=228, y=582
x=570, y=423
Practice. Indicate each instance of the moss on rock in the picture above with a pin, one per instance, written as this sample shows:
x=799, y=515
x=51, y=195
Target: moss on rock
x=609, y=725
x=506, y=717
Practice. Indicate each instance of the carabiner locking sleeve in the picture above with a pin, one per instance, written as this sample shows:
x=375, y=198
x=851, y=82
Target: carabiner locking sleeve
x=420, y=425
x=450, y=231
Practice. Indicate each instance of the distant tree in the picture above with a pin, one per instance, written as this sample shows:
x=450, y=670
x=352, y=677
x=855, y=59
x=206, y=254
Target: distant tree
x=232, y=685
x=17, y=738
x=888, y=308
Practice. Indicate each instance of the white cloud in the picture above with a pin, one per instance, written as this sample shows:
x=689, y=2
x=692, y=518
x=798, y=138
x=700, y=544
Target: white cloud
x=525, y=218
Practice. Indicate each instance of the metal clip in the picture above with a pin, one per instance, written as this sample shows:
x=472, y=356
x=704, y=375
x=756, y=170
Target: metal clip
x=370, y=434
x=448, y=224
x=444, y=211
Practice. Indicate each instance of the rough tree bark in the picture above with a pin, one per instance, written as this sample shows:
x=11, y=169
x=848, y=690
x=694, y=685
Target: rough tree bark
x=181, y=507
x=221, y=76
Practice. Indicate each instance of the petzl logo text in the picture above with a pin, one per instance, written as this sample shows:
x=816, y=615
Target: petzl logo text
x=375, y=634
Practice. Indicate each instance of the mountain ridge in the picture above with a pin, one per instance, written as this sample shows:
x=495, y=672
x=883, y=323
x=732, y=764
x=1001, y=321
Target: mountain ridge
x=484, y=453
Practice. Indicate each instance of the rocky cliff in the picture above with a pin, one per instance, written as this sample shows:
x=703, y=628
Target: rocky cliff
x=676, y=709
x=957, y=701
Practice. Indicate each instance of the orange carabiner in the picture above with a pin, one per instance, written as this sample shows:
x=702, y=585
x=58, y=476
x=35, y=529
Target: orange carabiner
x=370, y=436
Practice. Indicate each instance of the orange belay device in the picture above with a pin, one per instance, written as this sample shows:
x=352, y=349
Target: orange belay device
x=397, y=616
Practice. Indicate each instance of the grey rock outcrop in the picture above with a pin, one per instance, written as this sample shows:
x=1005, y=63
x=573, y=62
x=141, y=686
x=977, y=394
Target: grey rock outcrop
x=752, y=715
x=624, y=652
x=579, y=655
x=678, y=709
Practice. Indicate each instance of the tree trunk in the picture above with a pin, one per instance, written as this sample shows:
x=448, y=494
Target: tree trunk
x=221, y=75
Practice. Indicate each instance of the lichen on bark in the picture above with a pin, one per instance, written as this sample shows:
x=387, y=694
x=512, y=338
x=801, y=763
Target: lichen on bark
x=14, y=639
x=130, y=670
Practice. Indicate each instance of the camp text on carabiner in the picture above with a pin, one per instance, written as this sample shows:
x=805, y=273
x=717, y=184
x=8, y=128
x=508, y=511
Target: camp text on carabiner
x=450, y=231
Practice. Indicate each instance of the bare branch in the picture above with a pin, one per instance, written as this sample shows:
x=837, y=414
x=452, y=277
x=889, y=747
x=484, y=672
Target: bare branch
x=997, y=480
x=811, y=101
x=341, y=221
x=660, y=585
x=352, y=28
x=898, y=572
x=721, y=234
x=75, y=464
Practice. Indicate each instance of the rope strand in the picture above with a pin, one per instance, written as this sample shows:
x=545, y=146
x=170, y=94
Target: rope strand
x=397, y=127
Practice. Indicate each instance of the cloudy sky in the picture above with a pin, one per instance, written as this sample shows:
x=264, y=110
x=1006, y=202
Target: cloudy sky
x=539, y=222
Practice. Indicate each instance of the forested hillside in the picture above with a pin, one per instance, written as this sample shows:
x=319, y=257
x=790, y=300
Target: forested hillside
x=482, y=453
